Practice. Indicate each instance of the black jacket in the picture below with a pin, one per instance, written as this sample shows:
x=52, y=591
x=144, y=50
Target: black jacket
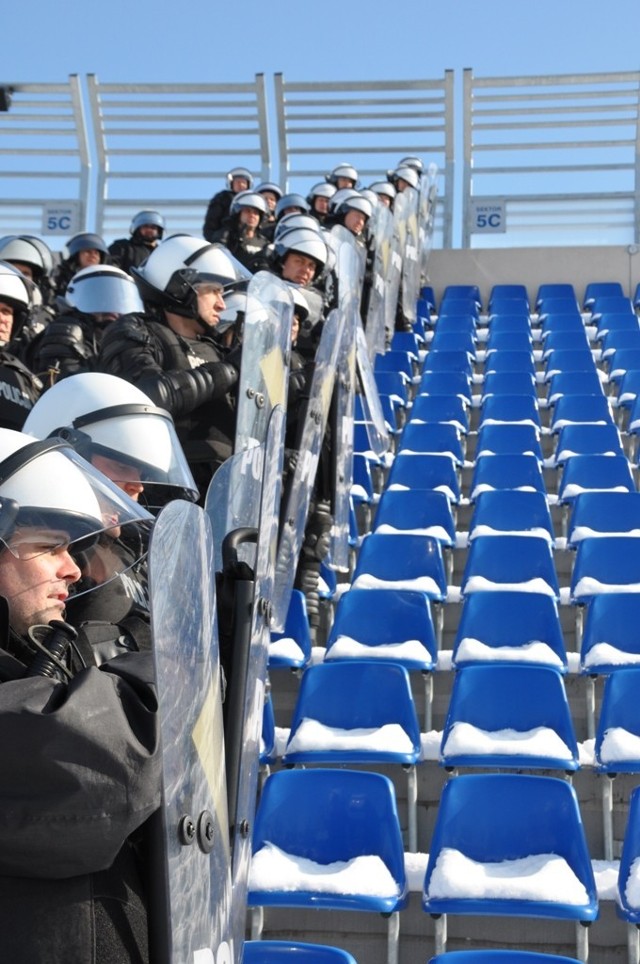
x=79, y=776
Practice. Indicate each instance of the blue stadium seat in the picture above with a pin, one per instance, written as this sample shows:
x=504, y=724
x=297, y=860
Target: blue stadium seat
x=605, y=565
x=500, y=956
x=510, y=563
x=581, y=410
x=329, y=817
x=510, y=408
x=568, y=360
x=512, y=512
x=402, y=561
x=431, y=438
x=628, y=388
x=395, y=361
x=517, y=292
x=296, y=952
x=377, y=624
x=507, y=472
x=600, y=289
x=425, y=472
x=425, y=512
x=555, y=308
x=619, y=717
x=586, y=439
x=492, y=818
x=560, y=340
x=622, y=360
x=509, y=383
x=594, y=473
x=555, y=290
x=448, y=409
x=619, y=338
x=508, y=341
x=610, y=639
x=446, y=383
x=406, y=341
x=573, y=383
x=292, y=647
x=509, y=361
x=563, y=320
x=615, y=321
x=394, y=384
x=509, y=627
x=608, y=305
x=268, y=737
x=488, y=700
x=454, y=291
x=513, y=321
x=508, y=439
x=596, y=514
x=628, y=906
x=358, y=712
x=448, y=340
x=453, y=360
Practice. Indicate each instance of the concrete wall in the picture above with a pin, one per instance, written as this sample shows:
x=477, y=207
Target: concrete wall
x=534, y=266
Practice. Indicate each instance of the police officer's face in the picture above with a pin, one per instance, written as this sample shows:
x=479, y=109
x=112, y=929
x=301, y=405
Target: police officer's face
x=384, y=199
x=355, y=221
x=298, y=268
x=6, y=322
x=36, y=583
x=250, y=217
x=270, y=198
x=239, y=184
x=344, y=182
x=321, y=205
x=210, y=304
x=126, y=477
x=88, y=257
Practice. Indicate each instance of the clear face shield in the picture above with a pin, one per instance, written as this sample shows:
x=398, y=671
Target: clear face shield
x=102, y=292
x=136, y=446
x=53, y=500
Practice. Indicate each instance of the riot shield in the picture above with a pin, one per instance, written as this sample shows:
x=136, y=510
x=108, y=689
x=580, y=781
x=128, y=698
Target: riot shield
x=299, y=491
x=191, y=905
x=382, y=237
x=266, y=344
x=350, y=268
x=410, y=255
x=377, y=431
x=427, y=218
x=394, y=268
x=260, y=469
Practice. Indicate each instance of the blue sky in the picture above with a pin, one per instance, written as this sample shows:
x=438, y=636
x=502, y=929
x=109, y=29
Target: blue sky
x=210, y=41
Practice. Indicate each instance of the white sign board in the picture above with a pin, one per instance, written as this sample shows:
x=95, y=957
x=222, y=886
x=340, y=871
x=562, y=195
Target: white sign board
x=61, y=217
x=487, y=216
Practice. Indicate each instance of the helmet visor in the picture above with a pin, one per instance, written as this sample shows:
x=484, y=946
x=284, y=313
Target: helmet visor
x=103, y=293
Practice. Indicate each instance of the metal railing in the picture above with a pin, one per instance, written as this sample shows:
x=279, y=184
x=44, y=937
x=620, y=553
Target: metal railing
x=166, y=147
x=551, y=159
x=547, y=160
x=44, y=159
x=370, y=124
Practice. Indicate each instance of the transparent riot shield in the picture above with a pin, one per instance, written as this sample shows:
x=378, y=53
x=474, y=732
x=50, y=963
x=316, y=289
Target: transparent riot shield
x=377, y=431
x=246, y=696
x=190, y=908
x=266, y=344
x=427, y=217
x=394, y=268
x=382, y=238
x=410, y=255
x=299, y=491
x=350, y=268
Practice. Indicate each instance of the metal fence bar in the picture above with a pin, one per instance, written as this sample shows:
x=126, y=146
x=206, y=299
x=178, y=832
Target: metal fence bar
x=370, y=122
x=45, y=140
x=134, y=123
x=534, y=167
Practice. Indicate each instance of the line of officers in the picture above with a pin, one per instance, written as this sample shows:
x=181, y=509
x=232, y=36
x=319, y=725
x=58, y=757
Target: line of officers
x=118, y=369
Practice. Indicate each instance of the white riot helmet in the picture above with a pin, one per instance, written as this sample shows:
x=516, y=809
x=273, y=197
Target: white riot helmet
x=103, y=289
x=58, y=499
x=172, y=272
x=385, y=188
x=340, y=196
x=143, y=218
x=323, y=189
x=240, y=172
x=412, y=161
x=289, y=221
x=15, y=291
x=303, y=241
x=291, y=202
x=104, y=415
x=269, y=187
x=343, y=170
x=24, y=250
x=408, y=174
x=249, y=199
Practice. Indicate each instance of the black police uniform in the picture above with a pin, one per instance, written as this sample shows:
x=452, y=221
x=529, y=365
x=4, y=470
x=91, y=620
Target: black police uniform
x=188, y=377
x=79, y=777
x=67, y=346
x=19, y=391
x=245, y=249
x=217, y=213
x=128, y=253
